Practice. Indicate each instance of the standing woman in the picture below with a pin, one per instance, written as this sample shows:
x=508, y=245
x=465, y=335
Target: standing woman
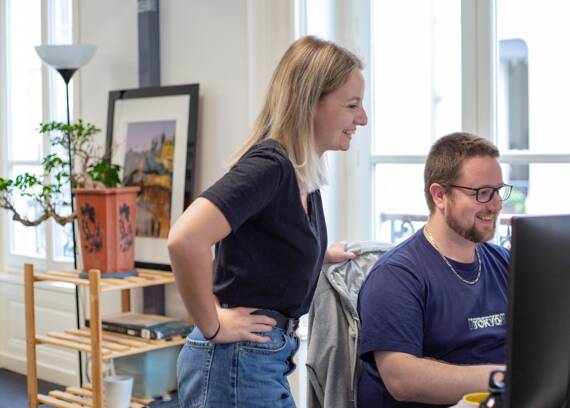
x=266, y=218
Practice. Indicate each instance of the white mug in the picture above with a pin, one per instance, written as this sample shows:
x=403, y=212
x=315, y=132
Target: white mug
x=117, y=389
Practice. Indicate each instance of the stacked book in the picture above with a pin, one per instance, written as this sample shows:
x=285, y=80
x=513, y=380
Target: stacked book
x=147, y=326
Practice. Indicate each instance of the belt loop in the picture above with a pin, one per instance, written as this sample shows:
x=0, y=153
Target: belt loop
x=289, y=327
x=292, y=325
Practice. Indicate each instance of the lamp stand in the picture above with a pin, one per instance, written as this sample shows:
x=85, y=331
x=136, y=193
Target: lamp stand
x=66, y=59
x=66, y=74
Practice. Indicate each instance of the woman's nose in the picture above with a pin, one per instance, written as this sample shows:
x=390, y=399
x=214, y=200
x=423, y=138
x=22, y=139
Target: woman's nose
x=362, y=119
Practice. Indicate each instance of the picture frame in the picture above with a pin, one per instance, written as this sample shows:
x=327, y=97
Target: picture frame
x=152, y=135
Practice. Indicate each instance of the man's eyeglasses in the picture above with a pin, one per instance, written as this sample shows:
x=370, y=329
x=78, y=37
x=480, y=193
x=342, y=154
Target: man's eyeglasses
x=485, y=194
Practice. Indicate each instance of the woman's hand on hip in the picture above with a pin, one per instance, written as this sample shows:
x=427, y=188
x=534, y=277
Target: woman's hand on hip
x=238, y=324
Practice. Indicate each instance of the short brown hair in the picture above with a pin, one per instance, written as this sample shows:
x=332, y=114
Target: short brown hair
x=446, y=156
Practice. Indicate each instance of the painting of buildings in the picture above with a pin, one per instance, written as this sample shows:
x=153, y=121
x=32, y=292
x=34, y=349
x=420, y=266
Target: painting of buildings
x=148, y=164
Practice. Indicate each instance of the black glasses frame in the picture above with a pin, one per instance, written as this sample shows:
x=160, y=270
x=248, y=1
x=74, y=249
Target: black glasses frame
x=507, y=193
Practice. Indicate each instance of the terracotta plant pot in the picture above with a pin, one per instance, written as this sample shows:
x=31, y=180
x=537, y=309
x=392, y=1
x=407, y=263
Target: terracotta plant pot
x=107, y=228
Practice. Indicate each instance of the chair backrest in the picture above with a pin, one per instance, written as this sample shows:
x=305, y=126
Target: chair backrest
x=332, y=357
x=347, y=277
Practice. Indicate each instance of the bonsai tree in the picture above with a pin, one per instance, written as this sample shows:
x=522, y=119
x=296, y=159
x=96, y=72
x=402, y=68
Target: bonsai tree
x=89, y=169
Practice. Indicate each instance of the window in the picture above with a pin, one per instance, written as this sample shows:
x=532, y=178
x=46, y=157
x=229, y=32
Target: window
x=491, y=67
x=35, y=94
x=416, y=99
x=532, y=113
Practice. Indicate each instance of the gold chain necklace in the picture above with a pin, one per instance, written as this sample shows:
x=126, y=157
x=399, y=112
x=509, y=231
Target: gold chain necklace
x=473, y=282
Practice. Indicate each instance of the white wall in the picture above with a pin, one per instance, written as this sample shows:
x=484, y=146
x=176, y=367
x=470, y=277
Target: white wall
x=55, y=311
x=229, y=47
x=206, y=42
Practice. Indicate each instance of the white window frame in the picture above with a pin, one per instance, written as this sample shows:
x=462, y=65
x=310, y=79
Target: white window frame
x=12, y=263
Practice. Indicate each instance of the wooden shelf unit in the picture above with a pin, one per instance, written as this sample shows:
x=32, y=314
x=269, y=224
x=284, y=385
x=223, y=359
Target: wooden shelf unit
x=101, y=344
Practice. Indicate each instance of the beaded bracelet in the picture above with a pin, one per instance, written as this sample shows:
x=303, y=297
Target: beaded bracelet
x=215, y=334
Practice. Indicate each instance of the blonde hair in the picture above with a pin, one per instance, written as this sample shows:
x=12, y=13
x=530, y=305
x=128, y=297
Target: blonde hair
x=309, y=69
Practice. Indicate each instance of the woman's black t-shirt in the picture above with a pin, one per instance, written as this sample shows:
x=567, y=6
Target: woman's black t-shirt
x=273, y=256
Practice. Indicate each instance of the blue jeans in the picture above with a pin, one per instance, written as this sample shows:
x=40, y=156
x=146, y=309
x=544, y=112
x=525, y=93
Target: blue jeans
x=242, y=374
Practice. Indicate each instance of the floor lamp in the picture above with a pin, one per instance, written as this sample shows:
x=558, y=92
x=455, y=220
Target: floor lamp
x=67, y=59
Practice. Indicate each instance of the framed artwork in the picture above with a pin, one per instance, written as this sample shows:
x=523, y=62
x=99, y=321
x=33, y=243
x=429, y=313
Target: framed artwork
x=151, y=134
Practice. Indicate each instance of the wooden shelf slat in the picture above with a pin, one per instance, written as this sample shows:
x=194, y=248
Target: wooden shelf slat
x=134, y=400
x=114, y=345
x=135, y=279
x=68, y=274
x=68, y=397
x=55, y=402
x=83, y=340
x=78, y=391
x=65, y=344
x=75, y=397
x=146, y=277
x=55, y=278
x=115, y=337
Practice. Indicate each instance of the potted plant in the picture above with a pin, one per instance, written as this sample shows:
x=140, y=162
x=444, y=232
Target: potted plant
x=105, y=212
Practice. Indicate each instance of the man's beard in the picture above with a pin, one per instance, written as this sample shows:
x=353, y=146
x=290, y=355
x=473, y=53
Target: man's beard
x=472, y=233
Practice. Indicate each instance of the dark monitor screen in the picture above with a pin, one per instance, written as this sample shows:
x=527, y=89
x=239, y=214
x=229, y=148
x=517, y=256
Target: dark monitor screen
x=538, y=343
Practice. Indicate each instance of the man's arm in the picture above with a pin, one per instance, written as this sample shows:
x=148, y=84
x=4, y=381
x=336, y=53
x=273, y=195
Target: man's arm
x=410, y=378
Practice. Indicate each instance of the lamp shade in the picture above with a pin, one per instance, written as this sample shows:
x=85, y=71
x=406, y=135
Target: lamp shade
x=70, y=56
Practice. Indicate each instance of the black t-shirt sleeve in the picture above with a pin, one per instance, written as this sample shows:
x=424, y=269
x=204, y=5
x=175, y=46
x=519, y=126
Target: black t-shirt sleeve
x=249, y=186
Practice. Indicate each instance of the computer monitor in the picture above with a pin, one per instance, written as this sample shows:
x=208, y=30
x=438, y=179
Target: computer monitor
x=538, y=343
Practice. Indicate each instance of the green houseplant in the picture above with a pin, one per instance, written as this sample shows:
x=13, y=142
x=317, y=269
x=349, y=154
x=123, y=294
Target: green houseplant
x=105, y=212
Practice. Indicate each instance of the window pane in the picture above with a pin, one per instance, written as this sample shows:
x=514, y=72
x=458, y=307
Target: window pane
x=400, y=206
x=533, y=75
x=320, y=15
x=63, y=243
x=24, y=85
x=543, y=192
x=416, y=74
x=61, y=22
x=516, y=175
x=29, y=241
x=62, y=236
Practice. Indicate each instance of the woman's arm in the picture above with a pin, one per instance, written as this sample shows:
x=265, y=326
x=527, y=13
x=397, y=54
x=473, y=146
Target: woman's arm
x=190, y=244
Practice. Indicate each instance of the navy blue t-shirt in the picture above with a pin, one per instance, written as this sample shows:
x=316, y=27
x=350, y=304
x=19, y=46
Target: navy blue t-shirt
x=273, y=256
x=411, y=302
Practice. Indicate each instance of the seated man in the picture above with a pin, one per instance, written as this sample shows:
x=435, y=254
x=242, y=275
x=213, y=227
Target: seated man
x=433, y=309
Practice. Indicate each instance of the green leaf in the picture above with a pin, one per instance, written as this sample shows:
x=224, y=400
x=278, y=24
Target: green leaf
x=106, y=173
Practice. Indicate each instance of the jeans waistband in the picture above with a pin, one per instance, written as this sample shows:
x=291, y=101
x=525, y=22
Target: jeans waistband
x=288, y=324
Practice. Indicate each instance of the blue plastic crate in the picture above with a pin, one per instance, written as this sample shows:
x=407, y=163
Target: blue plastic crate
x=154, y=372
